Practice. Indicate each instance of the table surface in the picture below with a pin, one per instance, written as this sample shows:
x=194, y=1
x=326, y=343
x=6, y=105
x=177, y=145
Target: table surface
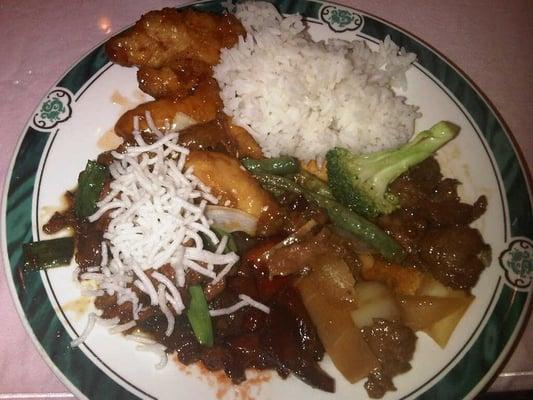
x=491, y=41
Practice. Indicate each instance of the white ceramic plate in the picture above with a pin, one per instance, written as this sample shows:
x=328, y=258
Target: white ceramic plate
x=72, y=125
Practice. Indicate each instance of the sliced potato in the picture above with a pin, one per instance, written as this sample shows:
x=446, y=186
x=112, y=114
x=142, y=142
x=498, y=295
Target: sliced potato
x=336, y=281
x=442, y=330
x=426, y=304
x=432, y=287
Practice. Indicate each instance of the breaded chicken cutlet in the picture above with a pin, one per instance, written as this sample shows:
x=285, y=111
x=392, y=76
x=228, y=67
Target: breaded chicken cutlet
x=174, y=50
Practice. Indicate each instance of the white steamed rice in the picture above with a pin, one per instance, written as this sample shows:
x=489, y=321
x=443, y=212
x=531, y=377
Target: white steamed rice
x=301, y=98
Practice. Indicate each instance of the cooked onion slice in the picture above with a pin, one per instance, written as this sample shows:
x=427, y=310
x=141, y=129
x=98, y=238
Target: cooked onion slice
x=342, y=339
x=442, y=329
x=374, y=300
x=231, y=219
x=421, y=312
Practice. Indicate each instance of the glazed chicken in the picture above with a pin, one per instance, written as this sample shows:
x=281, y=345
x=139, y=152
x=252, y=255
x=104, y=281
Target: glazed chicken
x=201, y=106
x=176, y=80
x=174, y=50
x=200, y=118
x=160, y=37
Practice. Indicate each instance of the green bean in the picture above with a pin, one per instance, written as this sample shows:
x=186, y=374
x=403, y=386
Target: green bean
x=276, y=166
x=340, y=216
x=278, y=183
x=370, y=233
x=310, y=182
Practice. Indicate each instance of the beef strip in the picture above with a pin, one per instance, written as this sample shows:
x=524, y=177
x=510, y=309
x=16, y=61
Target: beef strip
x=453, y=255
x=393, y=344
x=432, y=225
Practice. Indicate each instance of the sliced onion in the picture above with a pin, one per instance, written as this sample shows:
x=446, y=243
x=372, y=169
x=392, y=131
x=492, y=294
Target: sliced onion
x=341, y=338
x=231, y=220
x=374, y=300
x=335, y=280
x=422, y=312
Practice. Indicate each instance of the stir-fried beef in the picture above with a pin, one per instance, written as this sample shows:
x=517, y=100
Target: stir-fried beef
x=433, y=226
x=394, y=345
x=284, y=340
x=454, y=255
x=62, y=220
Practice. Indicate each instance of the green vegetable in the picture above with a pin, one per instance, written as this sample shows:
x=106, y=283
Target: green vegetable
x=198, y=315
x=341, y=216
x=312, y=183
x=278, y=183
x=90, y=185
x=231, y=246
x=276, y=166
x=47, y=254
x=371, y=234
x=361, y=182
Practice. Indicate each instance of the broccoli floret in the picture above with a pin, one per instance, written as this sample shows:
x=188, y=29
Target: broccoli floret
x=361, y=181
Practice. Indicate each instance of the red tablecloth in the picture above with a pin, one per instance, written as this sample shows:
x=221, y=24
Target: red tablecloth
x=491, y=41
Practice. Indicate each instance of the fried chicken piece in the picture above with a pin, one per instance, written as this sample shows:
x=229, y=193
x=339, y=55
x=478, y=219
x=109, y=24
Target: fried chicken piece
x=209, y=136
x=222, y=136
x=202, y=106
x=160, y=37
x=176, y=80
x=236, y=187
x=245, y=143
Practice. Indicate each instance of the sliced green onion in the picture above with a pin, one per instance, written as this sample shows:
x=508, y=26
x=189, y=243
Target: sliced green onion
x=47, y=254
x=198, y=315
x=90, y=185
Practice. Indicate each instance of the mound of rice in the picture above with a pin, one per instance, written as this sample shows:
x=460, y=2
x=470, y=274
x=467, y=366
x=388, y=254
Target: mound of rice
x=301, y=98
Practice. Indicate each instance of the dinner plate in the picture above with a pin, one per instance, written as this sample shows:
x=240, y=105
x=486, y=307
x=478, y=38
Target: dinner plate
x=74, y=123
